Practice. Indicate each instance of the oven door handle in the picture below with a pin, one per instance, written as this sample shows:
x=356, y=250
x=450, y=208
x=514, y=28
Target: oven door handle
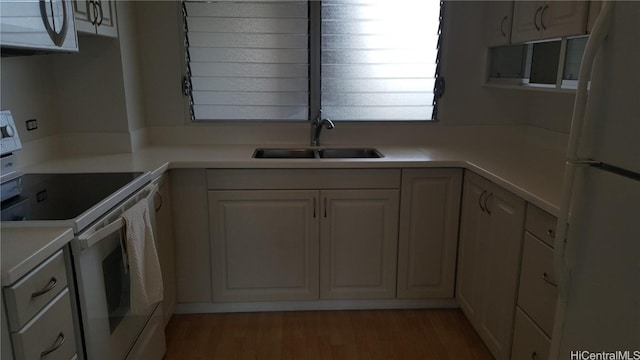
x=87, y=241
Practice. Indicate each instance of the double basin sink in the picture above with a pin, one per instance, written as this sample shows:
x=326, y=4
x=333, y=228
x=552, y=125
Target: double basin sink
x=313, y=153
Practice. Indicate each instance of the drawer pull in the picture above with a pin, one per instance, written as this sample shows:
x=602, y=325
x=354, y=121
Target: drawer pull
x=52, y=284
x=545, y=277
x=534, y=355
x=59, y=342
x=551, y=233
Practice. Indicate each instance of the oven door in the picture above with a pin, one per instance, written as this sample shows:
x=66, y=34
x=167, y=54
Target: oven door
x=110, y=328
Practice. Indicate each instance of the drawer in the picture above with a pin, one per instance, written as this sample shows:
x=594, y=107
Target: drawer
x=51, y=330
x=538, y=294
x=529, y=342
x=541, y=224
x=31, y=293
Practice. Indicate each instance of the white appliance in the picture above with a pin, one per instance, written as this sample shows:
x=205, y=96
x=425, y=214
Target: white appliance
x=37, y=26
x=598, y=265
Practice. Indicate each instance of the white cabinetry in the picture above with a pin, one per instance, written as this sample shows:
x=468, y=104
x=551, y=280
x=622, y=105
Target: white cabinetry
x=429, y=217
x=264, y=244
x=191, y=235
x=497, y=20
x=96, y=17
x=163, y=220
x=303, y=234
x=538, y=290
x=359, y=239
x=489, y=260
x=536, y=20
x=40, y=313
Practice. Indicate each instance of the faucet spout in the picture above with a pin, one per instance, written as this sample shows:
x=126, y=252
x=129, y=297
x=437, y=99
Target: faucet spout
x=316, y=128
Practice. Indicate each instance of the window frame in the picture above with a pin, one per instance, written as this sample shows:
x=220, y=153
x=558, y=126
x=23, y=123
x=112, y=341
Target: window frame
x=314, y=75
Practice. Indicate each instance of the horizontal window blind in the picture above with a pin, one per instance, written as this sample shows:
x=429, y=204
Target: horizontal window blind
x=363, y=60
x=379, y=59
x=248, y=60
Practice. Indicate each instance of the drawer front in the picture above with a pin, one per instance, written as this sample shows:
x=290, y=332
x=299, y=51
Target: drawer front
x=538, y=293
x=31, y=293
x=529, y=342
x=541, y=224
x=51, y=331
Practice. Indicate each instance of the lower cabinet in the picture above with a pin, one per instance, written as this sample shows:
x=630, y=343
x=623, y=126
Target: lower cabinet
x=279, y=235
x=491, y=231
x=41, y=318
x=265, y=244
x=428, y=237
x=272, y=245
x=359, y=239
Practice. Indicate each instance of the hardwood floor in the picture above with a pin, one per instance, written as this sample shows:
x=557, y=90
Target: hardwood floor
x=353, y=335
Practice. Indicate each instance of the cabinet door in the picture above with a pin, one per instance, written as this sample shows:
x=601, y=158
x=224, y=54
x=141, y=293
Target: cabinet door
x=429, y=213
x=500, y=251
x=498, y=16
x=472, y=232
x=107, y=24
x=564, y=18
x=85, y=14
x=166, y=252
x=526, y=21
x=264, y=245
x=359, y=238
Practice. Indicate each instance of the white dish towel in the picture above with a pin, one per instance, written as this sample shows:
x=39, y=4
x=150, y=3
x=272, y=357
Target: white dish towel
x=144, y=266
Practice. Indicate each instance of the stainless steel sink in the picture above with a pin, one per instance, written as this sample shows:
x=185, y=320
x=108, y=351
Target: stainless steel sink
x=284, y=154
x=361, y=153
x=311, y=153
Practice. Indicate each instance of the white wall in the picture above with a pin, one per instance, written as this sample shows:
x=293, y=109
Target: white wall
x=29, y=91
x=115, y=87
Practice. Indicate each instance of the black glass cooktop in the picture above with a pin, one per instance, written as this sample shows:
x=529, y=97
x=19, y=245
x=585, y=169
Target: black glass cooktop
x=61, y=196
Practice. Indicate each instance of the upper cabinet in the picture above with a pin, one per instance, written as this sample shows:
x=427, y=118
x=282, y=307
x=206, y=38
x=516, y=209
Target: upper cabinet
x=498, y=17
x=96, y=17
x=536, y=20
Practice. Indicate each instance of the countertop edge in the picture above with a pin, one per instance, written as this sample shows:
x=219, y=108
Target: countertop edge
x=36, y=257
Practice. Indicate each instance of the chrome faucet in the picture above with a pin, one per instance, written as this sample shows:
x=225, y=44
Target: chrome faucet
x=316, y=128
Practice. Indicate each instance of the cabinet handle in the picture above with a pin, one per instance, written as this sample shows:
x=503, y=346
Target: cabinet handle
x=486, y=206
x=92, y=7
x=535, y=18
x=52, y=284
x=545, y=277
x=534, y=356
x=101, y=11
x=504, y=34
x=551, y=233
x=480, y=201
x=546, y=7
x=314, y=207
x=59, y=342
x=325, y=207
x=96, y=13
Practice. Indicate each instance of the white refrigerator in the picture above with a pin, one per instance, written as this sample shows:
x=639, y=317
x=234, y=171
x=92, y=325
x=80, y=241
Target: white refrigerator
x=598, y=266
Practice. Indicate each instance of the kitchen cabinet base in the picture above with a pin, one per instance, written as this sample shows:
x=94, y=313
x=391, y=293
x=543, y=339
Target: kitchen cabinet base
x=315, y=305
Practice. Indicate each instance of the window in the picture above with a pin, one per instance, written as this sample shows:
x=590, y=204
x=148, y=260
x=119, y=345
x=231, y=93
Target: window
x=357, y=60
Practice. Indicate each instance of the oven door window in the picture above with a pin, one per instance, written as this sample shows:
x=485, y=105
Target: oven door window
x=117, y=286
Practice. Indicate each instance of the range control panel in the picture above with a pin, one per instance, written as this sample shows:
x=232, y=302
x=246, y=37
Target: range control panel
x=10, y=140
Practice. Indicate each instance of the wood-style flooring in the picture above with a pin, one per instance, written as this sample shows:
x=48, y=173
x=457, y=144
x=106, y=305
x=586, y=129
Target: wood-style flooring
x=352, y=335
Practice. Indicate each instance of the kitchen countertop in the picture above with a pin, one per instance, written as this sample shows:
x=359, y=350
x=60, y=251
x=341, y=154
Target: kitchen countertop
x=531, y=172
x=22, y=249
